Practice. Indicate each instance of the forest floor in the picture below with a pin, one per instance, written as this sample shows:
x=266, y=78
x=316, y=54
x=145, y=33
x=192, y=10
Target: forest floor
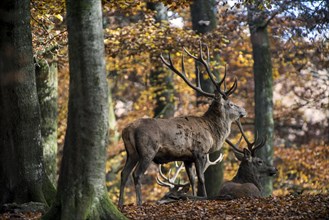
x=301, y=191
x=281, y=207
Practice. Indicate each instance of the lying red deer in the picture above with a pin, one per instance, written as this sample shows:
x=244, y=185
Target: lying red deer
x=246, y=183
x=187, y=138
x=178, y=189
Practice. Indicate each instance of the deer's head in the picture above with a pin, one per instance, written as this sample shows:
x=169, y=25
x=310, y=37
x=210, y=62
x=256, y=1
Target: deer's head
x=226, y=108
x=253, y=165
x=220, y=104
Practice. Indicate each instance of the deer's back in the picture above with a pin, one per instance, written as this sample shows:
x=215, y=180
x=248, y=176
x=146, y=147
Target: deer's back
x=232, y=190
x=169, y=139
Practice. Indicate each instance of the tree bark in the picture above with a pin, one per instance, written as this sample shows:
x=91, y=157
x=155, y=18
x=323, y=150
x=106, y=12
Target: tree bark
x=203, y=15
x=22, y=173
x=81, y=191
x=160, y=78
x=264, y=123
x=46, y=80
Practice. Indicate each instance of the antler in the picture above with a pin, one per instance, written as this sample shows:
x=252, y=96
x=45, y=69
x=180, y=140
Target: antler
x=210, y=163
x=170, y=181
x=235, y=146
x=197, y=87
x=251, y=145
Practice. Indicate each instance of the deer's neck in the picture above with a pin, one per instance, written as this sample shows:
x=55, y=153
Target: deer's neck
x=245, y=175
x=219, y=125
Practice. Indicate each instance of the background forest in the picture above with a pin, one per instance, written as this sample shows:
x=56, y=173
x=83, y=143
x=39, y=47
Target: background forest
x=136, y=33
x=134, y=39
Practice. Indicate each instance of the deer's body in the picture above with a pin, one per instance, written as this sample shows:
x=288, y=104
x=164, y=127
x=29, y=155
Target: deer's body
x=188, y=139
x=176, y=139
x=232, y=190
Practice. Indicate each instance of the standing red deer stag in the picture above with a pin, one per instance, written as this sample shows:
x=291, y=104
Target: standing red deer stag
x=246, y=183
x=187, y=138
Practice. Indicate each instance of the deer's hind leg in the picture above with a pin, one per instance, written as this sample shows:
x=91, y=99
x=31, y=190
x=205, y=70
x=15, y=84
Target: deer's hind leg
x=142, y=166
x=131, y=162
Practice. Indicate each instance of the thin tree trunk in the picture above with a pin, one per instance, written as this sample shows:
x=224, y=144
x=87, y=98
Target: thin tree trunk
x=264, y=123
x=22, y=174
x=161, y=79
x=203, y=15
x=46, y=79
x=82, y=192
x=113, y=129
x=162, y=83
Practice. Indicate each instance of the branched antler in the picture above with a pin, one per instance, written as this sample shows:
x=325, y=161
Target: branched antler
x=251, y=145
x=170, y=181
x=205, y=63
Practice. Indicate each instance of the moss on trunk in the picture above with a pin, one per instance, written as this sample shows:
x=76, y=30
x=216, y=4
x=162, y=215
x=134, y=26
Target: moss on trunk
x=46, y=78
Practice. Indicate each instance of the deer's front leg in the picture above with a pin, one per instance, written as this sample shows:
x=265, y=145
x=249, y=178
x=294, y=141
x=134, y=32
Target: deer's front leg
x=199, y=166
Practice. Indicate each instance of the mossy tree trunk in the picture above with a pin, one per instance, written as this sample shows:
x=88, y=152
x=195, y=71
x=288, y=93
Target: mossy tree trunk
x=160, y=78
x=203, y=15
x=81, y=190
x=22, y=174
x=264, y=123
x=46, y=80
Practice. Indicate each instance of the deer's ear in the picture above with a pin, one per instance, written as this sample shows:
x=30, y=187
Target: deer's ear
x=247, y=154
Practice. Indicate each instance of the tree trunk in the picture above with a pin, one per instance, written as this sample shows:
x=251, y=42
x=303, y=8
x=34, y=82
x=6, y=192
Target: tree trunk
x=81, y=186
x=161, y=81
x=160, y=78
x=263, y=78
x=203, y=15
x=46, y=80
x=113, y=129
x=22, y=173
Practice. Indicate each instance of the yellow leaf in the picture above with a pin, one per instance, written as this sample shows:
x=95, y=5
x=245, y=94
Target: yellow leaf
x=59, y=17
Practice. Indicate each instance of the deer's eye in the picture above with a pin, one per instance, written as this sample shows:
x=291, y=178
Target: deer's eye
x=230, y=104
x=260, y=162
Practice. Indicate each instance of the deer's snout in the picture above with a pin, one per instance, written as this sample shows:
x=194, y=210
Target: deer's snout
x=273, y=171
x=243, y=113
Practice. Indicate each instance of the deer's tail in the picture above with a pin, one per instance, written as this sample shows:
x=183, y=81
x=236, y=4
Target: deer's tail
x=129, y=140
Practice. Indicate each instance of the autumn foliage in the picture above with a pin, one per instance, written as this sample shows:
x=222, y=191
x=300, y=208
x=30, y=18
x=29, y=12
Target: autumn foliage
x=133, y=43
